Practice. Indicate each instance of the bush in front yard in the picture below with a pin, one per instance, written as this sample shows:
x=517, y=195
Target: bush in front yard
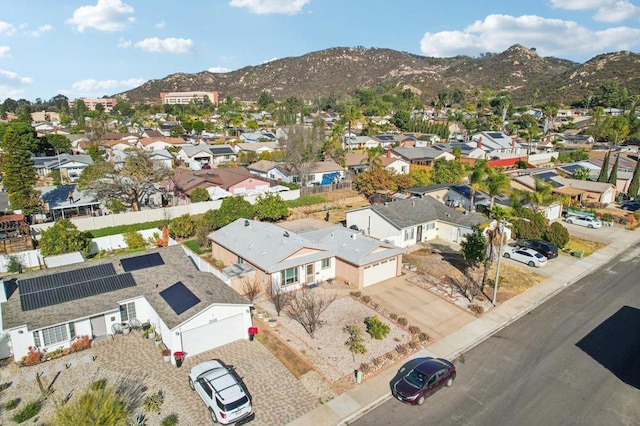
x=104, y=406
x=133, y=239
x=376, y=328
x=30, y=410
x=182, y=227
x=557, y=234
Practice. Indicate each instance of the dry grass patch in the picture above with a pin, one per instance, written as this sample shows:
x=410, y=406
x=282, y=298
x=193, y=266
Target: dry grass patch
x=579, y=244
x=289, y=358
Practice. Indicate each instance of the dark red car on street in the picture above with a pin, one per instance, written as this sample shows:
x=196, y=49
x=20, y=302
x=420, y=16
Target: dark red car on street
x=426, y=377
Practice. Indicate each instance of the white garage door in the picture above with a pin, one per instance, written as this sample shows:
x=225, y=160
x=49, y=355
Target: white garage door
x=212, y=335
x=379, y=271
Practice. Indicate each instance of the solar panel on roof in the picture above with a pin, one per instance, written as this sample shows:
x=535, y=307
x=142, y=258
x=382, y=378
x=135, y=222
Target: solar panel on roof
x=495, y=135
x=179, y=297
x=49, y=282
x=74, y=291
x=141, y=262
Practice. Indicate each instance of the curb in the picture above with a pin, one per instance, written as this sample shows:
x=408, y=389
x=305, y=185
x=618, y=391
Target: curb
x=387, y=396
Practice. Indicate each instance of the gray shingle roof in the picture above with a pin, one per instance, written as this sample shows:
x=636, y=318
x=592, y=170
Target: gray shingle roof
x=149, y=283
x=416, y=211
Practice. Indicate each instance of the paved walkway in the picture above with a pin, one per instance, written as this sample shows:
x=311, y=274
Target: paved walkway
x=353, y=403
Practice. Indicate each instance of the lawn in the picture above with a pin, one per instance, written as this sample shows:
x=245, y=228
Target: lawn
x=576, y=244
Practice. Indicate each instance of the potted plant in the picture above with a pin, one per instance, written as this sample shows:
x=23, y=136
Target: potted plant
x=152, y=332
x=179, y=357
x=158, y=340
x=126, y=329
x=166, y=353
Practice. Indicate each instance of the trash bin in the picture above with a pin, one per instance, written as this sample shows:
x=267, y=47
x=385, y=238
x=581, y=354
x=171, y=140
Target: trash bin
x=358, y=376
x=252, y=332
x=179, y=357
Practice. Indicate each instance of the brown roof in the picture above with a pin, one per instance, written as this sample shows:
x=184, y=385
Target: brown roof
x=223, y=177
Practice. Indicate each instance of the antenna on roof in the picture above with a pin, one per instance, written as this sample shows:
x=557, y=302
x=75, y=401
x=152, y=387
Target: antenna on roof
x=286, y=233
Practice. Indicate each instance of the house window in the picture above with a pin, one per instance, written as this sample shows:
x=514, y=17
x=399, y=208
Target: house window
x=326, y=263
x=409, y=234
x=429, y=226
x=53, y=335
x=289, y=276
x=128, y=311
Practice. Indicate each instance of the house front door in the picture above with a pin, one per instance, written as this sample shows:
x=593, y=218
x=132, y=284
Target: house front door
x=419, y=234
x=310, y=273
x=98, y=326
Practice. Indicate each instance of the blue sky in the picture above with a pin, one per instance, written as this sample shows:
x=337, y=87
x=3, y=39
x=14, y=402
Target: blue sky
x=89, y=48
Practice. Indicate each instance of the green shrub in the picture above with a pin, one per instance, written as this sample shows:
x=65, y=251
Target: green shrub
x=98, y=385
x=153, y=402
x=376, y=328
x=105, y=406
x=199, y=195
x=30, y=410
x=355, y=342
x=557, y=234
x=5, y=385
x=115, y=206
x=133, y=239
x=139, y=420
x=11, y=404
x=182, y=227
x=121, y=229
x=15, y=264
x=170, y=420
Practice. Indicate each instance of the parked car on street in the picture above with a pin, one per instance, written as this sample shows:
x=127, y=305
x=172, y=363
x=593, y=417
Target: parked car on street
x=428, y=376
x=549, y=250
x=526, y=255
x=222, y=392
x=632, y=206
x=589, y=222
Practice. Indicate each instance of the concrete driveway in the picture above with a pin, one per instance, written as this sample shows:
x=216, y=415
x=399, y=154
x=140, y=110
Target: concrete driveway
x=435, y=316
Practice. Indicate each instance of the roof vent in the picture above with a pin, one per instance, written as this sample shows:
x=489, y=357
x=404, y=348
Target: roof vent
x=332, y=235
x=246, y=222
x=353, y=236
x=286, y=234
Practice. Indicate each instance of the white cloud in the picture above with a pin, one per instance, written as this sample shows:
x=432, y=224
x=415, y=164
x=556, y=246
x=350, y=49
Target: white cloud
x=606, y=10
x=41, y=30
x=10, y=92
x=219, y=70
x=167, y=45
x=551, y=37
x=123, y=43
x=92, y=86
x=4, y=50
x=264, y=7
x=14, y=78
x=270, y=60
x=160, y=25
x=106, y=15
x=7, y=28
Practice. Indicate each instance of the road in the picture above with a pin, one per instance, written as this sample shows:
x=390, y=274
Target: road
x=575, y=360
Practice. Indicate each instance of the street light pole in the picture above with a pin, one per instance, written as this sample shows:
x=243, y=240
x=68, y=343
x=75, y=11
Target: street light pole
x=495, y=284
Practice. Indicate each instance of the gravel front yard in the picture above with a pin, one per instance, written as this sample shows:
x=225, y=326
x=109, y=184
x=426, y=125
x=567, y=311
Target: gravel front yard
x=327, y=352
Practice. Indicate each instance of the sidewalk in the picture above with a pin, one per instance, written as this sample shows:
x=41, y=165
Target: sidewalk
x=358, y=400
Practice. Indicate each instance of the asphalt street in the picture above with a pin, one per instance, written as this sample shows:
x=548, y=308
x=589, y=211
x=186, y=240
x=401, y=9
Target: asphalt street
x=572, y=361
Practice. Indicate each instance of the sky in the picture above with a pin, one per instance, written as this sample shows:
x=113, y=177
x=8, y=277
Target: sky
x=92, y=48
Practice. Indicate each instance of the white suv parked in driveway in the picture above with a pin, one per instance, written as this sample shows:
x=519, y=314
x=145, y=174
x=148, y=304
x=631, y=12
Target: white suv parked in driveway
x=589, y=222
x=221, y=390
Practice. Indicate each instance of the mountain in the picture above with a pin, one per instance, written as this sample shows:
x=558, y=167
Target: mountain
x=518, y=70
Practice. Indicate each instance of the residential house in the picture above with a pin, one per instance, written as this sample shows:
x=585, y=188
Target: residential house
x=116, y=144
x=394, y=164
x=468, y=150
x=579, y=191
x=192, y=311
x=66, y=201
x=405, y=223
x=256, y=148
x=322, y=173
x=196, y=156
x=162, y=157
x=424, y=156
x=235, y=180
x=222, y=154
x=497, y=145
x=355, y=162
x=286, y=260
x=161, y=143
x=253, y=137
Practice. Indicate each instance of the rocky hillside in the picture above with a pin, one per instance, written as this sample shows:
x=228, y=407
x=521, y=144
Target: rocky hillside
x=518, y=70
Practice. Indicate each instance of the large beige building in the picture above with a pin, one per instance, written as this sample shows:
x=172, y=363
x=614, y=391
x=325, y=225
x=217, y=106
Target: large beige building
x=183, y=98
x=91, y=103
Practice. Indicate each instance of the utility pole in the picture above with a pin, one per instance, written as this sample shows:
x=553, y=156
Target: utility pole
x=495, y=284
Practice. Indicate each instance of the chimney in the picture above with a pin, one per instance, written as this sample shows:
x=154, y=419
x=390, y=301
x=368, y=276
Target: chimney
x=479, y=142
x=388, y=153
x=235, y=165
x=513, y=145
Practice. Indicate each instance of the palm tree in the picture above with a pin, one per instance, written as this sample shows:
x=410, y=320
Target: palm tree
x=581, y=173
x=496, y=183
x=476, y=180
x=373, y=158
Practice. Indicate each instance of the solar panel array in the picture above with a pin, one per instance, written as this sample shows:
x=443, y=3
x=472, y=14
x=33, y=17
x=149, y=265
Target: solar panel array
x=179, y=297
x=44, y=295
x=49, y=282
x=141, y=262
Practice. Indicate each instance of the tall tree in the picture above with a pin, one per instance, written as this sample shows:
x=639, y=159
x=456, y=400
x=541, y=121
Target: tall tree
x=496, y=183
x=613, y=177
x=634, y=185
x=303, y=149
x=129, y=184
x=477, y=178
x=19, y=173
x=604, y=169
